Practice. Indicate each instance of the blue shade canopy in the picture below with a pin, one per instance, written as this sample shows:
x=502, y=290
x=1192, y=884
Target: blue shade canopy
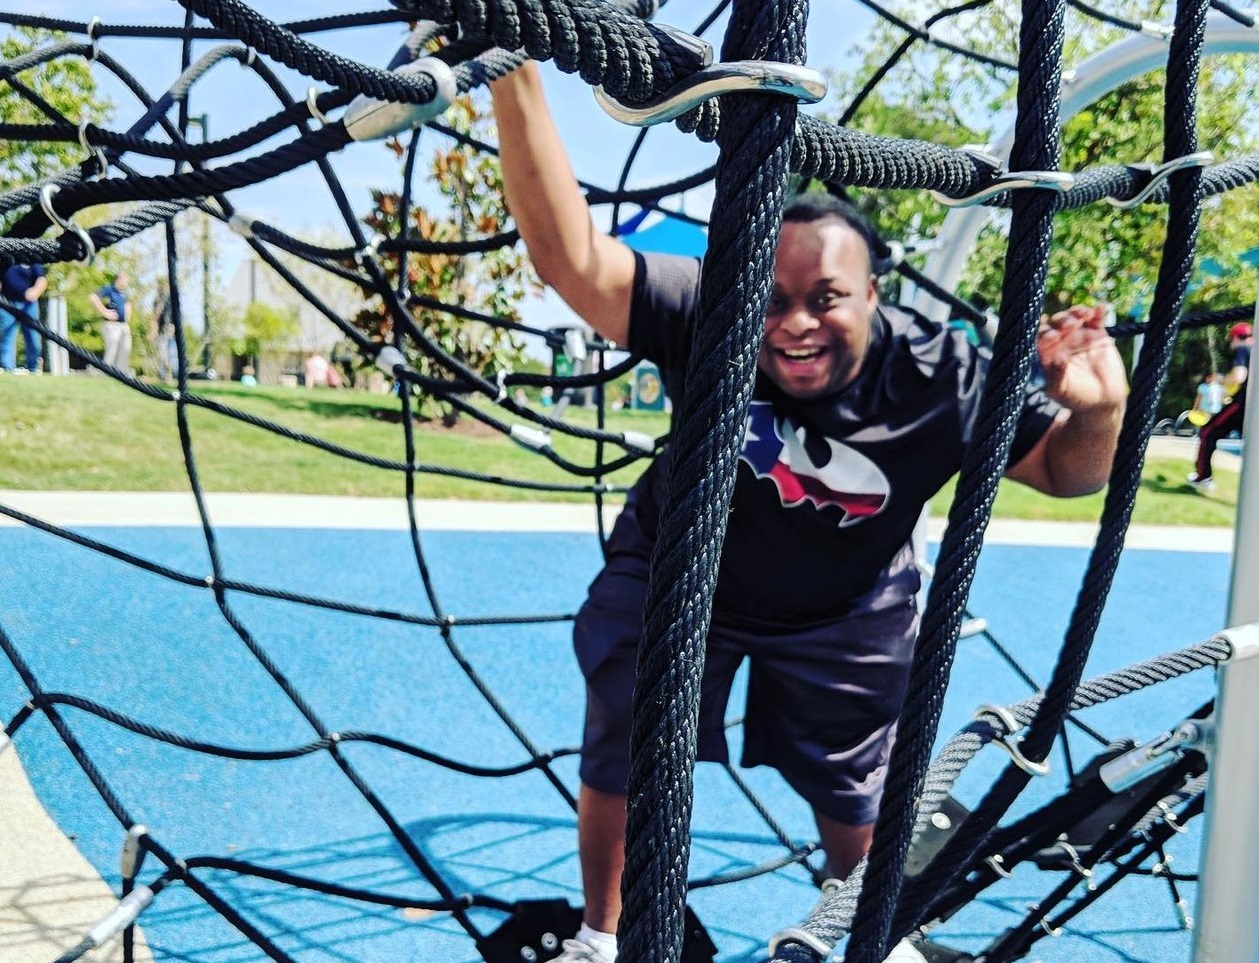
x=666, y=236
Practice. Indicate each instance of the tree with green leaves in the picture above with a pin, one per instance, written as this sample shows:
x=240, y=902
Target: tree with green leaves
x=259, y=328
x=1100, y=252
x=64, y=86
x=468, y=205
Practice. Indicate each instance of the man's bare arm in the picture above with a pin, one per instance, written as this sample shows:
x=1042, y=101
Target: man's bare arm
x=1084, y=374
x=592, y=272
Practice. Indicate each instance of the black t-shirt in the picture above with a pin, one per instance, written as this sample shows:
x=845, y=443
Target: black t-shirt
x=828, y=489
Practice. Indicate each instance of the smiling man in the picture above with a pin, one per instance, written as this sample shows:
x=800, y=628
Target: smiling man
x=860, y=414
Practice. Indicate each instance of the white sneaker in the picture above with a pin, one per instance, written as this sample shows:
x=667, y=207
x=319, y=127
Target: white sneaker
x=1200, y=484
x=579, y=951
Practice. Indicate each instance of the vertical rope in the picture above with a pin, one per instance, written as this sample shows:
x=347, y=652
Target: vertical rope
x=1027, y=261
x=755, y=141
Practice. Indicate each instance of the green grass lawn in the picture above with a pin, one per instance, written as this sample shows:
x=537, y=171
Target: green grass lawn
x=92, y=434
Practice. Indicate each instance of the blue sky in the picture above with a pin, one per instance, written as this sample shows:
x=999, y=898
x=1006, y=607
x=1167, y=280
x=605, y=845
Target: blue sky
x=299, y=202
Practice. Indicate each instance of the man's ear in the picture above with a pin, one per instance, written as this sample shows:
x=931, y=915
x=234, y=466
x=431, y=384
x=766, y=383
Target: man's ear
x=872, y=292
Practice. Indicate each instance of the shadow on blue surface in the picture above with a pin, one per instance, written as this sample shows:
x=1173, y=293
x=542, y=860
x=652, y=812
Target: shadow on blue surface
x=162, y=653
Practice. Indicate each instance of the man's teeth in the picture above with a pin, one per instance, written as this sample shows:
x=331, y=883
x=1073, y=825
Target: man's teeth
x=802, y=354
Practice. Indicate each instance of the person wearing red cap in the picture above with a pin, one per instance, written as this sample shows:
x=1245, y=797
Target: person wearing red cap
x=1232, y=416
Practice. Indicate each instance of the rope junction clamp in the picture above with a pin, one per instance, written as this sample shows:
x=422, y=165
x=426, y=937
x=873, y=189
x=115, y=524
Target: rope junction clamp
x=533, y=438
x=123, y=915
x=370, y=119
x=390, y=358
x=92, y=26
x=1003, y=181
x=1135, y=764
x=1158, y=174
x=1011, y=725
x=737, y=76
x=241, y=224
x=132, y=855
x=45, y=202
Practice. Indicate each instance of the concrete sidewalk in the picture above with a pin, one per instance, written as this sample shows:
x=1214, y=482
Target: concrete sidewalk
x=50, y=896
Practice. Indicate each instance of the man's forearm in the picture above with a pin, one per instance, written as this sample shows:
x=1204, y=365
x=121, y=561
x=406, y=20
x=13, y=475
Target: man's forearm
x=1080, y=449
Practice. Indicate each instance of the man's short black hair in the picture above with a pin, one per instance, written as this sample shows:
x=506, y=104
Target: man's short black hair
x=817, y=206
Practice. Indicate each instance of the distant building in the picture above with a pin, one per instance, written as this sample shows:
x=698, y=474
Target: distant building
x=256, y=281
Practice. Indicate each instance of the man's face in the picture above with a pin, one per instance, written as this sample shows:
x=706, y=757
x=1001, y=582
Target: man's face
x=817, y=324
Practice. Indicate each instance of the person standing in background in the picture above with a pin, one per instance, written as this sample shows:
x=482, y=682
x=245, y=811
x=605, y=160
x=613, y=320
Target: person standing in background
x=22, y=286
x=164, y=333
x=1232, y=417
x=111, y=304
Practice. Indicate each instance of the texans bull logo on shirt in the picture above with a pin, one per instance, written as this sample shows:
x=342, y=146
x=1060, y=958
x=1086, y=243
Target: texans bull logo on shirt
x=776, y=448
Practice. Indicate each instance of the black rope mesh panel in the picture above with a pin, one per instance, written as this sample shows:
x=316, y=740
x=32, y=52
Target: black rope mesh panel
x=761, y=138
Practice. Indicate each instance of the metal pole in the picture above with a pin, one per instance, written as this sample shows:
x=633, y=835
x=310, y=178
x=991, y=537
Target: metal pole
x=55, y=319
x=1228, y=926
x=207, y=353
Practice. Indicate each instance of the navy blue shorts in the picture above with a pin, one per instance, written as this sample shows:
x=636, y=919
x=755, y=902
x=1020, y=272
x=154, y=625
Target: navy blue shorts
x=822, y=702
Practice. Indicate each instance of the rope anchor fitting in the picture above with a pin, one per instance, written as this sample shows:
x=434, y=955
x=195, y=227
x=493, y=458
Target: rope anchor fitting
x=370, y=119
x=715, y=80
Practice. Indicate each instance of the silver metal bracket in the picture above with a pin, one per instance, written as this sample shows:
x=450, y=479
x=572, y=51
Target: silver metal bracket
x=1158, y=174
x=737, y=76
x=1007, y=741
x=796, y=934
x=45, y=202
x=1006, y=181
x=370, y=119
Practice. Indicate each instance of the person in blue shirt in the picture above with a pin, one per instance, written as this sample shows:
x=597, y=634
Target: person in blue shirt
x=21, y=288
x=111, y=304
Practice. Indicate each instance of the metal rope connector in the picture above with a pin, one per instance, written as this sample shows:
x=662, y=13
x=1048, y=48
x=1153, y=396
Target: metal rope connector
x=1003, y=181
x=133, y=851
x=1157, y=175
x=1139, y=762
x=95, y=153
x=735, y=77
x=389, y=359
x=370, y=119
x=1010, y=745
x=796, y=934
x=45, y=202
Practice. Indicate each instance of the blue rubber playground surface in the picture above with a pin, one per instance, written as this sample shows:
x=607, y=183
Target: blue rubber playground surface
x=162, y=653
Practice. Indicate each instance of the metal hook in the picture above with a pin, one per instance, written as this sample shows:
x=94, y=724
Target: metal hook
x=370, y=250
x=1157, y=175
x=1007, y=720
x=45, y=202
x=97, y=154
x=92, y=26
x=996, y=863
x=1011, y=181
x=797, y=934
x=738, y=76
x=311, y=96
